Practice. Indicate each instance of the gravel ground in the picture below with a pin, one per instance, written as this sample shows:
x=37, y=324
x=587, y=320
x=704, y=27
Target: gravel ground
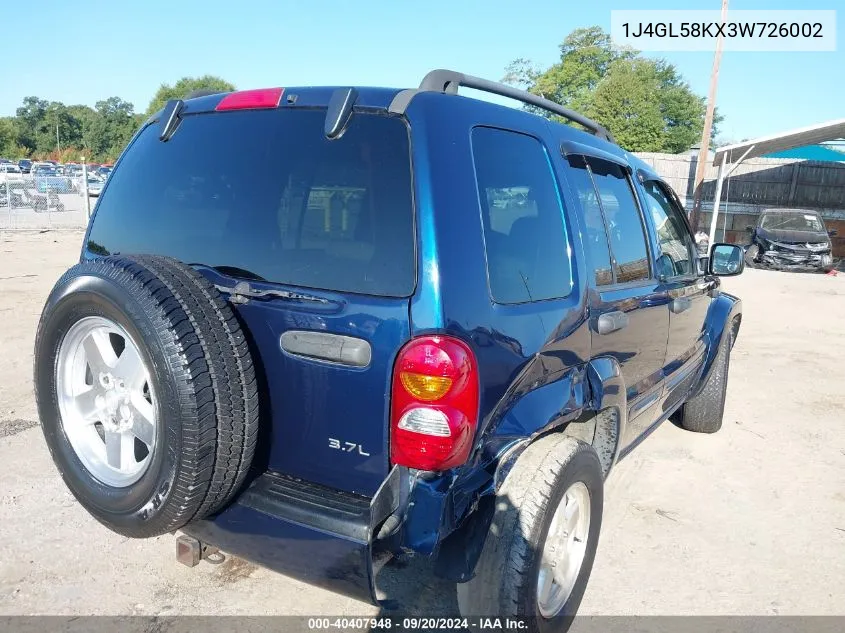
x=749, y=521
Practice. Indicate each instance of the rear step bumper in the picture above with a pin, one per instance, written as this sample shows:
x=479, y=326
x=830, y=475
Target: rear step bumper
x=315, y=534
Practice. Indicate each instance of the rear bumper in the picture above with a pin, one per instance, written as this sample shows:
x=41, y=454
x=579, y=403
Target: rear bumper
x=312, y=533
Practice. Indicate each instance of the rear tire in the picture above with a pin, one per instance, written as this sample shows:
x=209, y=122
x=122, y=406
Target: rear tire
x=202, y=404
x=704, y=412
x=514, y=561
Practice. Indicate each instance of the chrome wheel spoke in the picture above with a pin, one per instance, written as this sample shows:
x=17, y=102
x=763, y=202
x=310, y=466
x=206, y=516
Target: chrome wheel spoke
x=130, y=368
x=564, y=550
x=571, y=515
x=86, y=404
x=143, y=422
x=114, y=444
x=120, y=450
x=98, y=351
x=544, y=583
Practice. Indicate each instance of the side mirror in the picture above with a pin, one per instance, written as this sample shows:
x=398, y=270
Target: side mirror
x=726, y=260
x=833, y=232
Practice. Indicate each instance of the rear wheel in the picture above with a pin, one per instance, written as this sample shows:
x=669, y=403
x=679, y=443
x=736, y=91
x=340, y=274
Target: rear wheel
x=146, y=393
x=539, y=551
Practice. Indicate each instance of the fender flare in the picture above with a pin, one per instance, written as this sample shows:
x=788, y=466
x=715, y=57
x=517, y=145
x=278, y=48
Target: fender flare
x=610, y=403
x=724, y=317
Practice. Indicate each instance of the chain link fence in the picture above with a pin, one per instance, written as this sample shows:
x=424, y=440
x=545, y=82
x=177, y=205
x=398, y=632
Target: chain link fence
x=46, y=200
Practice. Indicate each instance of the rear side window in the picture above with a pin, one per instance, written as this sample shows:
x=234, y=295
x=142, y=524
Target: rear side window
x=528, y=257
x=622, y=218
x=595, y=234
x=264, y=195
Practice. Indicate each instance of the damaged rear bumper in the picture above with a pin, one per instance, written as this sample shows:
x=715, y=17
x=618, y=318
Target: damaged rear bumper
x=318, y=535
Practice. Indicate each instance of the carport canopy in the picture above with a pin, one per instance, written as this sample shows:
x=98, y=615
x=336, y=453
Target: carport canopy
x=733, y=155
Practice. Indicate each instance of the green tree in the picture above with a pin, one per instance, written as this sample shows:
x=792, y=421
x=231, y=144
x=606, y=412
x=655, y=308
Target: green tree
x=30, y=118
x=185, y=86
x=627, y=103
x=9, y=146
x=109, y=128
x=645, y=103
x=57, y=127
x=586, y=55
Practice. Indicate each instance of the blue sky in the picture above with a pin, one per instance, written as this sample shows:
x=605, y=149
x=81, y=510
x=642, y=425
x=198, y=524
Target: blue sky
x=128, y=49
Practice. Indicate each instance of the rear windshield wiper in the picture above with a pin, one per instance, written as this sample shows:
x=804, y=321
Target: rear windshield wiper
x=234, y=271
x=242, y=292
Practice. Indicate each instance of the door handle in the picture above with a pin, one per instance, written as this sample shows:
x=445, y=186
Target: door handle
x=681, y=304
x=611, y=322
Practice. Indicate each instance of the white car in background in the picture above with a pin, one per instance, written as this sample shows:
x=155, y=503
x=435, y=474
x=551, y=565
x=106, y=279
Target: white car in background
x=10, y=171
x=95, y=186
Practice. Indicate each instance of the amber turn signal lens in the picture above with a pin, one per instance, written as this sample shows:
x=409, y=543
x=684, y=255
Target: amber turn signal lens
x=424, y=387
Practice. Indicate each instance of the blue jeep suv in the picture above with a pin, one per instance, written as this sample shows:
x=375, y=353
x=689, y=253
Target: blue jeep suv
x=318, y=328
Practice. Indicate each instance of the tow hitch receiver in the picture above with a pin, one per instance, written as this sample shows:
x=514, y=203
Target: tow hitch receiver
x=190, y=551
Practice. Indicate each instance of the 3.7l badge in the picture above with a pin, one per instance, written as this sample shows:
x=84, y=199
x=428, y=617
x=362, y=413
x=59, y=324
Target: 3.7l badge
x=347, y=447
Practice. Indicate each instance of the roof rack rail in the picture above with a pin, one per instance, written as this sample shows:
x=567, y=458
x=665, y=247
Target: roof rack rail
x=448, y=82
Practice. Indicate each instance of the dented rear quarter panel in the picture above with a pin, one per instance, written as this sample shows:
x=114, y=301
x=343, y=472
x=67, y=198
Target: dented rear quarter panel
x=533, y=358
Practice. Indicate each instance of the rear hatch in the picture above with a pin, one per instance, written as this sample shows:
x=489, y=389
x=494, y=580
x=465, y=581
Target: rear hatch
x=317, y=235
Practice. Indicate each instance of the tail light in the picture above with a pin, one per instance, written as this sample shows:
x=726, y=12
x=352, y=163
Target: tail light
x=434, y=404
x=251, y=99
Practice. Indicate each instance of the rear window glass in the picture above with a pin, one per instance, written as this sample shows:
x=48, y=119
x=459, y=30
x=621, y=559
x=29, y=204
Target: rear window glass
x=528, y=256
x=266, y=194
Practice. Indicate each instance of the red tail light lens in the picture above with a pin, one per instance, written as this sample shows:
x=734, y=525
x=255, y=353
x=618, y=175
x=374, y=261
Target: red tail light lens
x=434, y=404
x=251, y=99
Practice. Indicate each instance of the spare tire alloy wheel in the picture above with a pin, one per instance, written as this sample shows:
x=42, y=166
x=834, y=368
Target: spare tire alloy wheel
x=146, y=392
x=107, y=406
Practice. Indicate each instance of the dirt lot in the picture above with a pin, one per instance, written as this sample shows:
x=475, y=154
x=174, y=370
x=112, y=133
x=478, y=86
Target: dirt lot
x=748, y=521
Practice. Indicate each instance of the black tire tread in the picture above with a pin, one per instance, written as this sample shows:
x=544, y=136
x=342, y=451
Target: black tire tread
x=704, y=412
x=231, y=371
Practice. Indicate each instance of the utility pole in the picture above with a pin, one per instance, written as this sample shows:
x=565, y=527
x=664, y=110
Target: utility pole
x=701, y=166
x=58, y=144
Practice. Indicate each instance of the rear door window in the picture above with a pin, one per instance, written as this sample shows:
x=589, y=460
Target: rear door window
x=595, y=238
x=623, y=221
x=264, y=195
x=528, y=256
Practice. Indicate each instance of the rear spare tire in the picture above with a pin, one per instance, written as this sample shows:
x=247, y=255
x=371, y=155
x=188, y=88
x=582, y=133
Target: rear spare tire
x=146, y=392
